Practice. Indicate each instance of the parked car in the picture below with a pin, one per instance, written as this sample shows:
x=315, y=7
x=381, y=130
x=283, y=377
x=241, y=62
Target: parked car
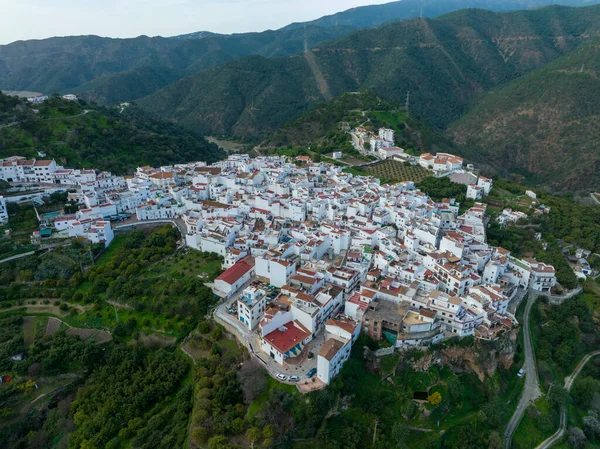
x=294, y=379
x=281, y=377
x=521, y=372
x=311, y=373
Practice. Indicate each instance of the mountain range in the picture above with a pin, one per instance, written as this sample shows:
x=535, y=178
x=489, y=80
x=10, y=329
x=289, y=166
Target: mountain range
x=544, y=125
x=109, y=70
x=444, y=63
x=473, y=74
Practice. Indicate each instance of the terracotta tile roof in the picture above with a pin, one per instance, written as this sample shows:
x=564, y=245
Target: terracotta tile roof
x=285, y=338
x=233, y=274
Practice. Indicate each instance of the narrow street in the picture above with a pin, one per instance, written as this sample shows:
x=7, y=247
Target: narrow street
x=532, y=388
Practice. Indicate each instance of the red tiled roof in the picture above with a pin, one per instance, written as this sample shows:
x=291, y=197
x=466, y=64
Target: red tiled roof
x=233, y=274
x=291, y=335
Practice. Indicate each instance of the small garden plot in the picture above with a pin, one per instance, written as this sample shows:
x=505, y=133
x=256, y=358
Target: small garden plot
x=99, y=337
x=53, y=326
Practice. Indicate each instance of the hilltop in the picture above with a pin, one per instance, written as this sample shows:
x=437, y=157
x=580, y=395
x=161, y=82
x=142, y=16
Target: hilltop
x=544, y=126
x=114, y=139
x=325, y=127
x=445, y=63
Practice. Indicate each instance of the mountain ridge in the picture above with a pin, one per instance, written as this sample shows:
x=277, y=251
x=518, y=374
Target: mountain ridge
x=93, y=65
x=445, y=63
x=544, y=126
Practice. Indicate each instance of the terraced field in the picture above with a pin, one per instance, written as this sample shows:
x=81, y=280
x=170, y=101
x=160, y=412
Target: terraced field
x=395, y=171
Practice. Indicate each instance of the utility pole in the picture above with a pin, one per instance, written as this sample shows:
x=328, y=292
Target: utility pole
x=582, y=67
x=407, y=104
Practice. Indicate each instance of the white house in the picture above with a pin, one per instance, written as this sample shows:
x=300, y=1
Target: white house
x=386, y=134
x=390, y=152
x=251, y=306
x=232, y=279
x=339, y=336
x=475, y=192
x=486, y=184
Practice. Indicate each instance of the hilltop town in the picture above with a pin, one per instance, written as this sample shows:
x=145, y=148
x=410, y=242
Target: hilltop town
x=313, y=256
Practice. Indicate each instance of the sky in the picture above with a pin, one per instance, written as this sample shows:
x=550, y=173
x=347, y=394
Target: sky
x=37, y=19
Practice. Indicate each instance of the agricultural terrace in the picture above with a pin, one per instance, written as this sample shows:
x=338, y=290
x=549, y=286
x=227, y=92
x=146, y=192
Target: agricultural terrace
x=391, y=171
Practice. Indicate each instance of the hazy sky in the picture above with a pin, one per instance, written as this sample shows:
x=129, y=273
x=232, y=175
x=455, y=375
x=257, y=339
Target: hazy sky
x=35, y=19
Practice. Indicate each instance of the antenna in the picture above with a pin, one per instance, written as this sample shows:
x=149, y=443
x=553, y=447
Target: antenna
x=421, y=12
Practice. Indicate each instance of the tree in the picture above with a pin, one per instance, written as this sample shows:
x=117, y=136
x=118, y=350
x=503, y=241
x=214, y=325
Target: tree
x=559, y=397
x=269, y=432
x=435, y=399
x=253, y=434
x=577, y=438
x=591, y=424
x=200, y=434
x=219, y=442
x=253, y=379
x=584, y=390
x=495, y=412
x=400, y=434
x=494, y=441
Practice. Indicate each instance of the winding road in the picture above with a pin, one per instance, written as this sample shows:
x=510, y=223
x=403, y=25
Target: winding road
x=563, y=412
x=532, y=388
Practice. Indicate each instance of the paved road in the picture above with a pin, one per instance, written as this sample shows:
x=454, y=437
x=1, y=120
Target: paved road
x=18, y=256
x=532, y=388
x=563, y=412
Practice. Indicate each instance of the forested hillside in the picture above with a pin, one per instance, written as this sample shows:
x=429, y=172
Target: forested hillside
x=325, y=127
x=126, y=69
x=111, y=70
x=545, y=125
x=445, y=63
x=112, y=139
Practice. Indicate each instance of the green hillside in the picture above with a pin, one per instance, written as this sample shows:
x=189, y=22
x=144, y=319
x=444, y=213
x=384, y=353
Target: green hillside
x=325, y=126
x=545, y=125
x=110, y=70
x=445, y=63
x=102, y=138
x=125, y=69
